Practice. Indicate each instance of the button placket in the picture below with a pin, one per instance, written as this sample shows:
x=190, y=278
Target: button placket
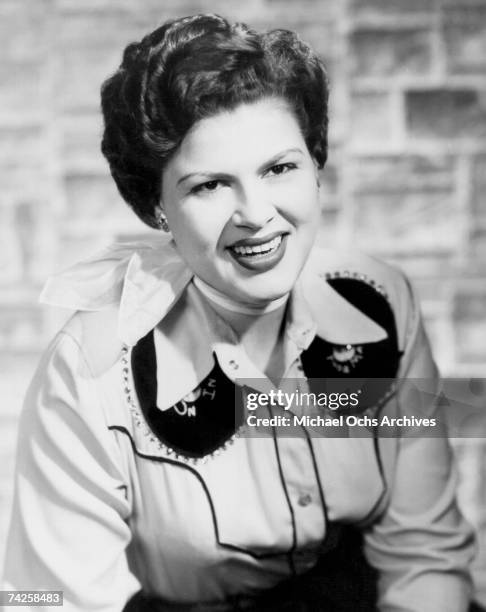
x=305, y=499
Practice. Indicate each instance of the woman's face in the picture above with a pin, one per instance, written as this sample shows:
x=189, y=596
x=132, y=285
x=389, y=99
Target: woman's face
x=241, y=200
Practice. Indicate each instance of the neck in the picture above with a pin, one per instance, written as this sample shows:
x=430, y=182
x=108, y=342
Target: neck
x=258, y=327
x=238, y=307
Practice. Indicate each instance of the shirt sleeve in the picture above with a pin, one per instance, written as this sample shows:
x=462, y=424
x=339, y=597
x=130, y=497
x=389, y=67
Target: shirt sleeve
x=421, y=546
x=69, y=525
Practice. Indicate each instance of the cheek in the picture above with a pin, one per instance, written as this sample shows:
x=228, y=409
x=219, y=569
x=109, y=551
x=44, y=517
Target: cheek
x=302, y=202
x=197, y=229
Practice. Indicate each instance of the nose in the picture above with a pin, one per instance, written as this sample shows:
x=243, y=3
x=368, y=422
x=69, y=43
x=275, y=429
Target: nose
x=254, y=207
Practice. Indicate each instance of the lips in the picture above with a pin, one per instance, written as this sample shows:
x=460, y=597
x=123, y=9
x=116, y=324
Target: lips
x=259, y=254
x=256, y=240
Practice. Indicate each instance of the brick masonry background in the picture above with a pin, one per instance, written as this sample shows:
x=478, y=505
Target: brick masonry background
x=406, y=178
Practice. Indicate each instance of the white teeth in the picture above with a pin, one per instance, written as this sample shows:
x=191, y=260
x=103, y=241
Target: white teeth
x=267, y=247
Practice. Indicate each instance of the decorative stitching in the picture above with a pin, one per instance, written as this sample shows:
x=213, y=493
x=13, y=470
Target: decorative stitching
x=142, y=424
x=356, y=276
x=201, y=480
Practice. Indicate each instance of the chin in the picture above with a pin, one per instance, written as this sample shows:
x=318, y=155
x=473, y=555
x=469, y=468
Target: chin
x=263, y=290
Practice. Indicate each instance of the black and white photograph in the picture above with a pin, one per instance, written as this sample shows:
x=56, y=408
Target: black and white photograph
x=243, y=305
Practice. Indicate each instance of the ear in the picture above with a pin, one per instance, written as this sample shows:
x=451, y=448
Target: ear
x=161, y=218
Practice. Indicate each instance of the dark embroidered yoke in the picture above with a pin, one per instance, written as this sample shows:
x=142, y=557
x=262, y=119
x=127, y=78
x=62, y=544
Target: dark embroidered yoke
x=195, y=426
x=368, y=368
x=205, y=420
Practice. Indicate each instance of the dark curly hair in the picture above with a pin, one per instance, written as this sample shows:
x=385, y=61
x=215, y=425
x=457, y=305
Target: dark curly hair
x=189, y=69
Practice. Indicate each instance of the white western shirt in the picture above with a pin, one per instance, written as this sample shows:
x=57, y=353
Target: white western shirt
x=102, y=508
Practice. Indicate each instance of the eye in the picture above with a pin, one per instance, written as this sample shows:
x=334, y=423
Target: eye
x=207, y=187
x=279, y=169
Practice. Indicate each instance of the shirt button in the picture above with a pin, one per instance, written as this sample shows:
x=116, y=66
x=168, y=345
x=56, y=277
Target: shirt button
x=233, y=364
x=304, y=500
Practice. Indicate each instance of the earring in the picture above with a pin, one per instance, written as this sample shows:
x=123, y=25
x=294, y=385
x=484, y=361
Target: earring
x=161, y=220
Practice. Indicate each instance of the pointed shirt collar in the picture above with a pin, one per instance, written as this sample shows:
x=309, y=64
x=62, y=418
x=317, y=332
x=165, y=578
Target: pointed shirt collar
x=147, y=278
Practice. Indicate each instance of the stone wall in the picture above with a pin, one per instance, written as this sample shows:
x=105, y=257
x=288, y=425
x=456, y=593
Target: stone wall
x=406, y=178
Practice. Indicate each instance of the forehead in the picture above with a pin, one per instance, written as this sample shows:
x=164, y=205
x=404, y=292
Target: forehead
x=246, y=135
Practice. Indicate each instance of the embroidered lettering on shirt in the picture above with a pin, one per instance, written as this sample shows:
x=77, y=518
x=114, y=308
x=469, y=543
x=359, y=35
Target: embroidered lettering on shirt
x=187, y=405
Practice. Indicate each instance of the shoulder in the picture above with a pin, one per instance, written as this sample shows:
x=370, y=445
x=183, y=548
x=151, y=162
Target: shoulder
x=78, y=380
x=94, y=336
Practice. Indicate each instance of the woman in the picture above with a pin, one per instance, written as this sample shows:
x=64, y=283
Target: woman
x=140, y=483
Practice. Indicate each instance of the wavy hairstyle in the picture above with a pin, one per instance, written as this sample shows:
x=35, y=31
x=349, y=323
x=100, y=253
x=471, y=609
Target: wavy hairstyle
x=192, y=68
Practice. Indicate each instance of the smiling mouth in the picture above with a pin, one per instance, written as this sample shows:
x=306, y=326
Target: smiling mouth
x=257, y=250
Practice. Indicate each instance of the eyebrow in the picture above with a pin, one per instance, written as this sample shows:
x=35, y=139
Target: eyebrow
x=276, y=158
x=214, y=175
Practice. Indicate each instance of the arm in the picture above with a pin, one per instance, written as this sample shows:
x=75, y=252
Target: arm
x=421, y=545
x=68, y=529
